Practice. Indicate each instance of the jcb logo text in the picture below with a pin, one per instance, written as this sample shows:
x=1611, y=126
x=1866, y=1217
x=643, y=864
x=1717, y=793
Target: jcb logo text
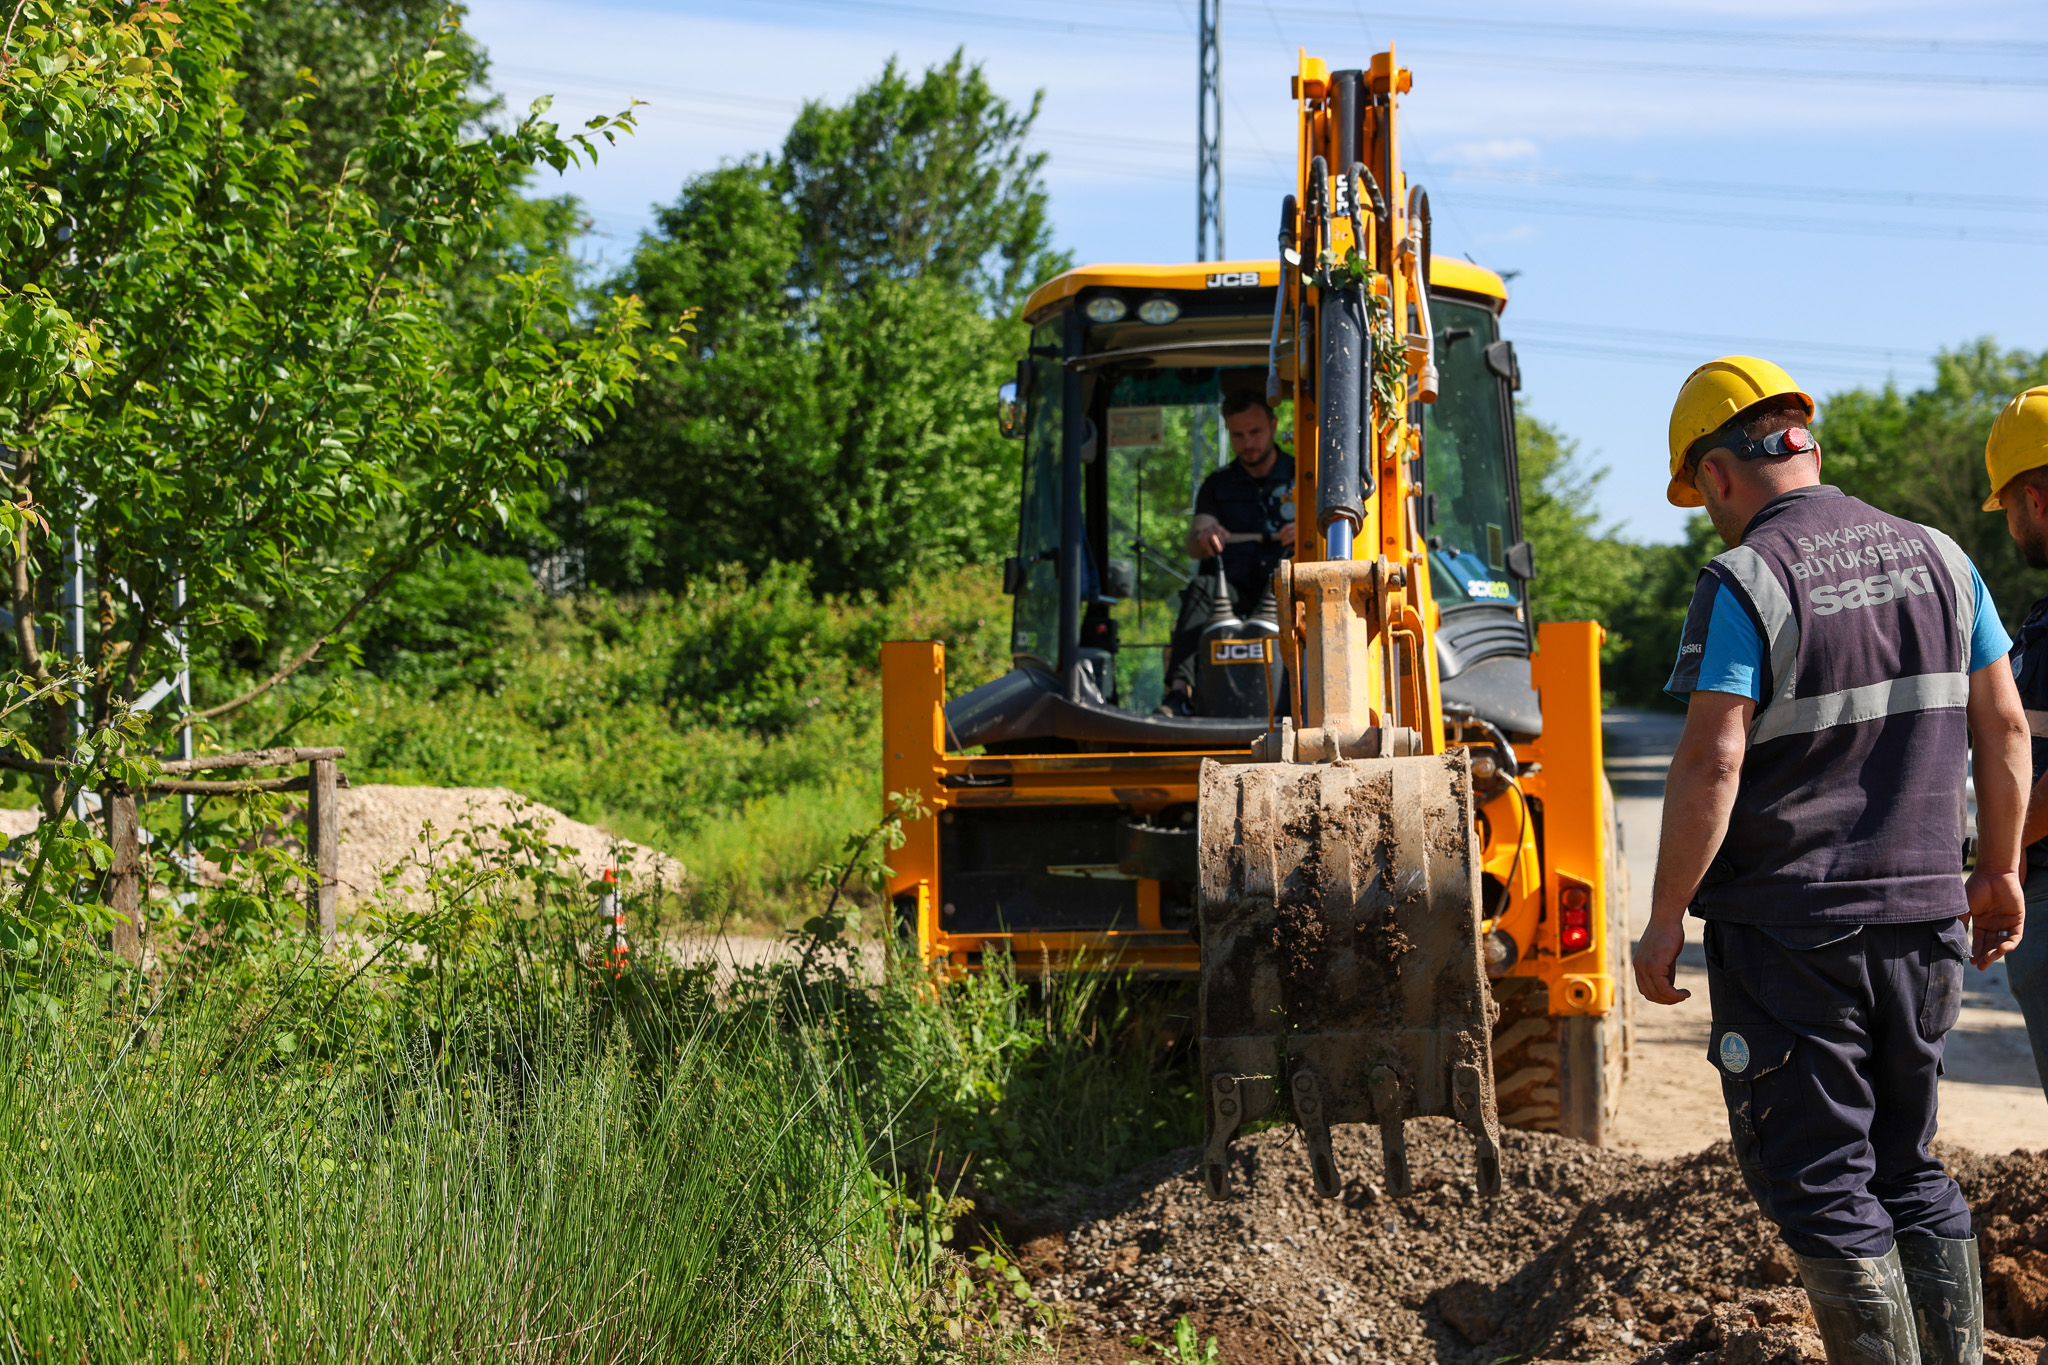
x=1237, y=651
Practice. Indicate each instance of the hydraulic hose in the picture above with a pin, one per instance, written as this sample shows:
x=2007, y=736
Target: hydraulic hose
x=1287, y=210
x=1466, y=715
x=1418, y=249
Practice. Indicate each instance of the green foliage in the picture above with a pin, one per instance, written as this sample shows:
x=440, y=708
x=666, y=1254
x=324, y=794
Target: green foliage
x=1187, y=1347
x=926, y=181
x=283, y=410
x=328, y=63
x=734, y=724
x=607, y=1160
x=1583, y=573
x=1649, y=616
x=1921, y=455
x=443, y=623
x=835, y=409
x=593, y=1166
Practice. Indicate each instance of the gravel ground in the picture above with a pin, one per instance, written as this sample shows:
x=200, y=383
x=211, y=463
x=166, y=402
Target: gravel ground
x=1587, y=1255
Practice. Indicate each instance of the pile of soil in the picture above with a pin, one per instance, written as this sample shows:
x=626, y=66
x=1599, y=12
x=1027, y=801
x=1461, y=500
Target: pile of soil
x=382, y=824
x=1586, y=1255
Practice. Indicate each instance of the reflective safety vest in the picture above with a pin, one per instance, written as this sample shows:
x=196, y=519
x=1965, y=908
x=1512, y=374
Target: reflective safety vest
x=2030, y=674
x=1850, y=806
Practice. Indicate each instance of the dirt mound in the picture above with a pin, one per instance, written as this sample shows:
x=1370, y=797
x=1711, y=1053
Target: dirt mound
x=382, y=824
x=1586, y=1255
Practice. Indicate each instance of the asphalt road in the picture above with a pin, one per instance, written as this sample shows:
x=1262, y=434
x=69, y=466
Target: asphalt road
x=1991, y=1098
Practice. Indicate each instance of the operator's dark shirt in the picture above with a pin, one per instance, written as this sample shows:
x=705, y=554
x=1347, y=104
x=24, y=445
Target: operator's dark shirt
x=2030, y=674
x=1243, y=503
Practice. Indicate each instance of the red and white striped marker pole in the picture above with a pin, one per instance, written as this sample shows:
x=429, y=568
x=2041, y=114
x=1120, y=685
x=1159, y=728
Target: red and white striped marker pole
x=611, y=911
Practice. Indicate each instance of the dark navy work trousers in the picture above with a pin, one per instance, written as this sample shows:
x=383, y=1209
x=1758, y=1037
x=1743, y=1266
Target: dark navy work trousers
x=1829, y=1042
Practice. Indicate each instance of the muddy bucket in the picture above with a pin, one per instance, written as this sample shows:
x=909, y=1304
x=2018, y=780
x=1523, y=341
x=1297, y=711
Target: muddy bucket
x=1342, y=980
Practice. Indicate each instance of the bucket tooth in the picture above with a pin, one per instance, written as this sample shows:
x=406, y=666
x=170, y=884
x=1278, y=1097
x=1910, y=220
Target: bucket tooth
x=1389, y=1105
x=1315, y=1132
x=1226, y=1111
x=1470, y=1102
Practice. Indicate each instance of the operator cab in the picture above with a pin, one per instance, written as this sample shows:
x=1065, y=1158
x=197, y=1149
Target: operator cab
x=1119, y=408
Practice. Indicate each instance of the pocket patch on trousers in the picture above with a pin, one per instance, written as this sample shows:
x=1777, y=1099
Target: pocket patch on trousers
x=1743, y=1052
x=1734, y=1053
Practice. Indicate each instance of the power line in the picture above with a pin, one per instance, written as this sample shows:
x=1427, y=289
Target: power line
x=1595, y=331
x=1779, y=74
x=1765, y=222
x=1093, y=139
x=1760, y=194
x=1630, y=33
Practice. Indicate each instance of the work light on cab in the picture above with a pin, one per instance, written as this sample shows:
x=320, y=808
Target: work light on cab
x=1108, y=308
x=1158, y=312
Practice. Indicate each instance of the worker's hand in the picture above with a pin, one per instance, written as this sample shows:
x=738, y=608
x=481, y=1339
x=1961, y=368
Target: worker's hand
x=1998, y=915
x=1657, y=961
x=1206, y=538
x=1287, y=534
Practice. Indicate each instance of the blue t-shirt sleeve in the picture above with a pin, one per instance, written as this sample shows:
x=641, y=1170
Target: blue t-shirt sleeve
x=1720, y=649
x=1988, y=640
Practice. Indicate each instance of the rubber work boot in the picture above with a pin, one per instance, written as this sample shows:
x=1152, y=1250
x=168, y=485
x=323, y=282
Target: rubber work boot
x=1861, y=1308
x=1947, y=1294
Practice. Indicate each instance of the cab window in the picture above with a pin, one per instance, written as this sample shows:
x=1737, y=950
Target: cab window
x=1468, y=471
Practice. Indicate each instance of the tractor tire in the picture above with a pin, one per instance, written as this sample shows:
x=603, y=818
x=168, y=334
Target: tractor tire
x=1564, y=1073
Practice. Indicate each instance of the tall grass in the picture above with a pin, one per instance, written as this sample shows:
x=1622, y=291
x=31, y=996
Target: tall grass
x=185, y=1182
x=469, y=1136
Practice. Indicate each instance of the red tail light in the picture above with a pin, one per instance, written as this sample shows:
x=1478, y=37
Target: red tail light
x=1575, y=916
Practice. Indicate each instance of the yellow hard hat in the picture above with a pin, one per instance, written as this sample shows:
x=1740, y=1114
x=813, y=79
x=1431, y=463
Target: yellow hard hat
x=1712, y=394
x=2019, y=441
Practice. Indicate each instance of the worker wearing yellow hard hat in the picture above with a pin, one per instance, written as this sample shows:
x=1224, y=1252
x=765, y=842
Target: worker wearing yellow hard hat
x=1714, y=393
x=2016, y=461
x=1837, y=664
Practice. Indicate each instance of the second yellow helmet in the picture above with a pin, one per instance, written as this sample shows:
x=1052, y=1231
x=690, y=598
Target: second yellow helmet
x=1712, y=394
x=2019, y=441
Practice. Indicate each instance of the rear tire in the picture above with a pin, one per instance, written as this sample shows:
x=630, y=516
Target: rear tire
x=1564, y=1073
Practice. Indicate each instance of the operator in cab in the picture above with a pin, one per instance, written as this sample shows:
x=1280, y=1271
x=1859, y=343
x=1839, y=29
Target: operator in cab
x=1838, y=664
x=2016, y=460
x=1245, y=513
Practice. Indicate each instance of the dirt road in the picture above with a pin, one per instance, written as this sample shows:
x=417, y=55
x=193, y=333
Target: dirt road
x=1991, y=1099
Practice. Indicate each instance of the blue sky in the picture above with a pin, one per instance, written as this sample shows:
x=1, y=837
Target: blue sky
x=1842, y=187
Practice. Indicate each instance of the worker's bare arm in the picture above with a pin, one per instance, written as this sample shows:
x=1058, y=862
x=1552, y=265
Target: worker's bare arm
x=2036, y=827
x=1206, y=536
x=1699, y=793
x=2001, y=764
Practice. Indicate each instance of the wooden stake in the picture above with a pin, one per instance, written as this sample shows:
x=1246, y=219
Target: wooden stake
x=323, y=850
x=124, y=879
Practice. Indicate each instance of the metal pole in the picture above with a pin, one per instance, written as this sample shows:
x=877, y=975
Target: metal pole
x=185, y=802
x=1209, y=135
x=75, y=588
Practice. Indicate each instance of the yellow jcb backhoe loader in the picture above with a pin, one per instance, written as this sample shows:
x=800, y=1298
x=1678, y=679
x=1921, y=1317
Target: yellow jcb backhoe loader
x=1385, y=842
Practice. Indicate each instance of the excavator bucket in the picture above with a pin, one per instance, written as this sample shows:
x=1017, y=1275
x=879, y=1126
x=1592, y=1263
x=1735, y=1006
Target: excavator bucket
x=1342, y=978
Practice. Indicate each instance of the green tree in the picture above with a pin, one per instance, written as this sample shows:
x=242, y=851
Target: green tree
x=835, y=409
x=284, y=410
x=328, y=64
x=927, y=181
x=1639, y=592
x=1921, y=455
x=1582, y=572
